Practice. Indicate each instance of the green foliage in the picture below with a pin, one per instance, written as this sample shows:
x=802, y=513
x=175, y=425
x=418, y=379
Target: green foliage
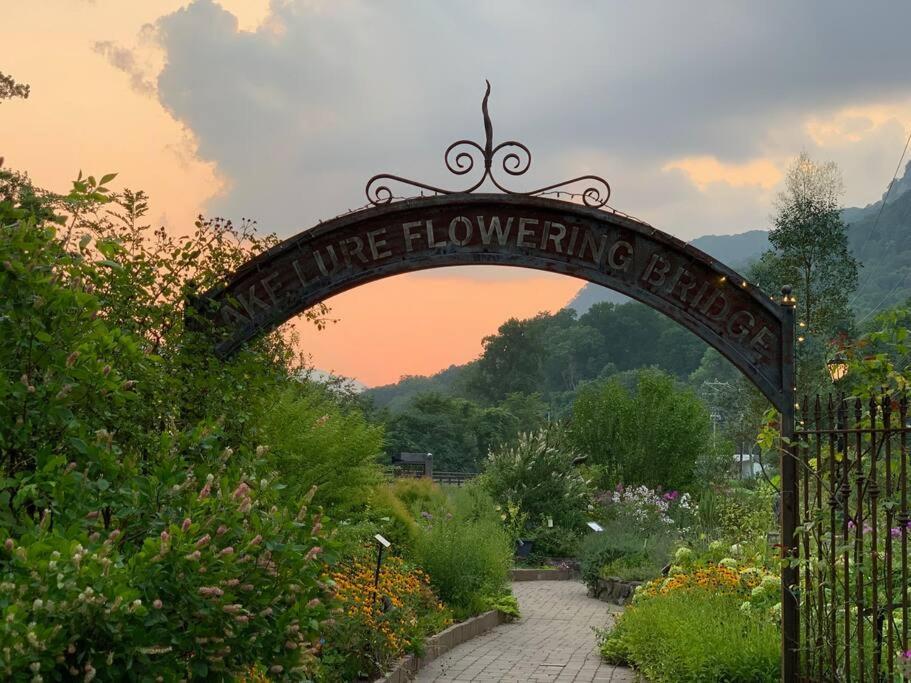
x=810, y=253
x=313, y=442
x=467, y=554
x=458, y=432
x=879, y=360
x=537, y=474
x=507, y=604
x=228, y=581
x=652, y=435
x=420, y=495
x=694, y=636
x=553, y=542
x=621, y=550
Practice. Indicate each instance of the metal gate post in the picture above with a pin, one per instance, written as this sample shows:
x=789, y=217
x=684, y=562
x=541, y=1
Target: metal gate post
x=790, y=614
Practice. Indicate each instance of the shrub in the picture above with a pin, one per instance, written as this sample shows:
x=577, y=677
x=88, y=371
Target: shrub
x=419, y=495
x=313, y=441
x=694, y=636
x=226, y=584
x=652, y=435
x=620, y=550
x=468, y=561
x=603, y=548
x=391, y=517
x=376, y=627
x=554, y=541
x=537, y=474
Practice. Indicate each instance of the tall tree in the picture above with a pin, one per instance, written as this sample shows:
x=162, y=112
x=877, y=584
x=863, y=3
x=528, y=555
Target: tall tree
x=810, y=252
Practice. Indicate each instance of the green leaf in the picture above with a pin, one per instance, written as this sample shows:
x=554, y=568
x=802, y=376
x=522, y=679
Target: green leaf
x=108, y=177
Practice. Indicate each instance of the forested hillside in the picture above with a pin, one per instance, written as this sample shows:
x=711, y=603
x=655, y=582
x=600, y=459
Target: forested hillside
x=528, y=373
x=552, y=355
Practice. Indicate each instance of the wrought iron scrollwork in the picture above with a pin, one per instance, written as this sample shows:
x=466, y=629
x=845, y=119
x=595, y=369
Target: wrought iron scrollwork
x=511, y=157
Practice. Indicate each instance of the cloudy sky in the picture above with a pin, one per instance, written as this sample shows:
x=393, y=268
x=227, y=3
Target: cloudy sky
x=281, y=110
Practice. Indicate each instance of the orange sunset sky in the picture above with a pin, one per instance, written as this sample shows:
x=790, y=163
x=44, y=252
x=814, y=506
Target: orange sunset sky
x=281, y=110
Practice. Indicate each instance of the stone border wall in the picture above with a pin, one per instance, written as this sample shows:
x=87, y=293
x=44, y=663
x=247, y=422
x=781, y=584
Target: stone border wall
x=438, y=645
x=614, y=590
x=524, y=574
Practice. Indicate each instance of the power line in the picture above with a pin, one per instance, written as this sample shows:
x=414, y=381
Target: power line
x=876, y=222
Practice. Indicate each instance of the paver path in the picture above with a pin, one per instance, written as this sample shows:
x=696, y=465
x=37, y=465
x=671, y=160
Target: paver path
x=553, y=641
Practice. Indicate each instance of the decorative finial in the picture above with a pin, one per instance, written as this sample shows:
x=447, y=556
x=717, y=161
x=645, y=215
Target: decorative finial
x=515, y=161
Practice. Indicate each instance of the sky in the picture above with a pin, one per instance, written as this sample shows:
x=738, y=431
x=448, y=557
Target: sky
x=281, y=110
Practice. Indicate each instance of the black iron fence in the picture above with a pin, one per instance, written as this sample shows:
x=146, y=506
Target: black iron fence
x=853, y=587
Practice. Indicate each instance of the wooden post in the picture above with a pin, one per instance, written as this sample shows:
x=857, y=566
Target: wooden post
x=790, y=614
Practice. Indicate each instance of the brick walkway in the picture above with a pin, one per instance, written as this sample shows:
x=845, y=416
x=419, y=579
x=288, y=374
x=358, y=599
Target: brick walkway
x=553, y=641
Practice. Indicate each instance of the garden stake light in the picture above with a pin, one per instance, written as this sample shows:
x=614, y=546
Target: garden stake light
x=381, y=543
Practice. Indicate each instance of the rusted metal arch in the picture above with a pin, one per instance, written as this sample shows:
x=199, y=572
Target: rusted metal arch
x=278, y=263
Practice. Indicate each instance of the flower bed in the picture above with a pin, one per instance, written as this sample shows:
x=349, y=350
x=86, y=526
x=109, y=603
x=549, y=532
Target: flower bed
x=702, y=623
x=377, y=626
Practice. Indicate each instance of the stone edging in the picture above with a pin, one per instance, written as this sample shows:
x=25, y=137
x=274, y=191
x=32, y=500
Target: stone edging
x=543, y=574
x=614, y=590
x=438, y=645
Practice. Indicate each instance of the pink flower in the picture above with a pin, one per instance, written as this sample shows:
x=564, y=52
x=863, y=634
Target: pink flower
x=9, y=544
x=241, y=491
x=204, y=541
x=315, y=602
x=185, y=527
x=222, y=530
x=211, y=591
x=313, y=552
x=206, y=490
x=242, y=618
x=194, y=556
x=256, y=540
x=157, y=604
x=232, y=609
x=227, y=551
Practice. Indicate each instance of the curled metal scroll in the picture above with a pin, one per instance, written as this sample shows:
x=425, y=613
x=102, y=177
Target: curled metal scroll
x=512, y=157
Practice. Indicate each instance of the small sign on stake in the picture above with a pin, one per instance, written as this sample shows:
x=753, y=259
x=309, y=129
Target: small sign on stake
x=382, y=541
x=594, y=526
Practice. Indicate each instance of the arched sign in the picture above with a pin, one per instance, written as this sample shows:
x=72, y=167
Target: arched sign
x=599, y=246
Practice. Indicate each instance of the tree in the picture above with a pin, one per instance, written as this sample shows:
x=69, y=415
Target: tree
x=652, y=434
x=10, y=89
x=810, y=252
x=459, y=433
x=538, y=474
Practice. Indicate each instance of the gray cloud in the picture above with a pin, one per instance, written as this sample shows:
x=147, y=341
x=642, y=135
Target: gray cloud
x=298, y=114
x=124, y=59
